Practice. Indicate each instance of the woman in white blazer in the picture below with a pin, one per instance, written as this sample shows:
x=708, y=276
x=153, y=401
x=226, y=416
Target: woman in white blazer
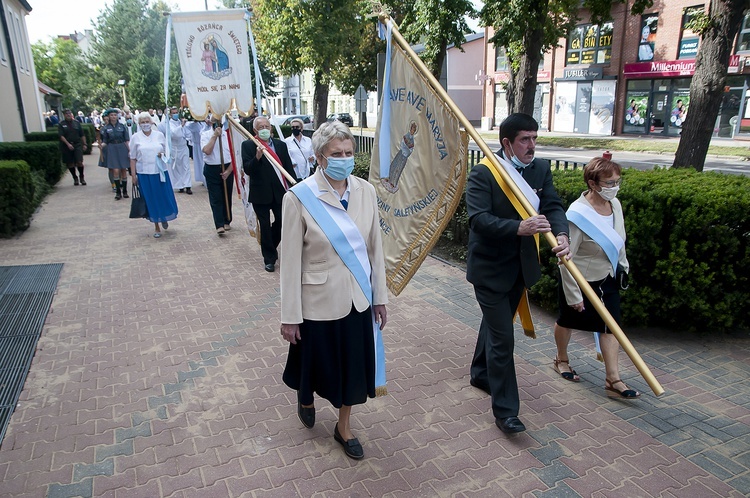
x=330, y=316
x=597, y=242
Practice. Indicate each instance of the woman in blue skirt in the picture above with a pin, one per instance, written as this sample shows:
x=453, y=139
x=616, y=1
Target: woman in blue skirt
x=147, y=148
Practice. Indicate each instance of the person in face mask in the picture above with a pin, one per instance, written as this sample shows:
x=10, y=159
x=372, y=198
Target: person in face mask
x=597, y=241
x=179, y=168
x=300, y=150
x=147, y=150
x=502, y=260
x=267, y=186
x=328, y=315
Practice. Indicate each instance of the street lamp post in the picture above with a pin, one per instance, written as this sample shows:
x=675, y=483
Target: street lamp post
x=121, y=84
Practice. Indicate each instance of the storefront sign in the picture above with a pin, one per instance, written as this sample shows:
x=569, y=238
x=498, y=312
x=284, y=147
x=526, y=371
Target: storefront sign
x=688, y=48
x=670, y=69
x=581, y=74
x=659, y=69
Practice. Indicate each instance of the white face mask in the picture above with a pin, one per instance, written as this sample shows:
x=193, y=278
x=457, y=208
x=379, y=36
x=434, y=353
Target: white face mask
x=609, y=193
x=146, y=126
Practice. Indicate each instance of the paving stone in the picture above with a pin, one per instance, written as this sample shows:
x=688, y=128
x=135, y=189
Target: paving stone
x=172, y=372
x=83, y=489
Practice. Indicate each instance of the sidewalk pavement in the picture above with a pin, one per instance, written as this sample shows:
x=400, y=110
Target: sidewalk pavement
x=158, y=373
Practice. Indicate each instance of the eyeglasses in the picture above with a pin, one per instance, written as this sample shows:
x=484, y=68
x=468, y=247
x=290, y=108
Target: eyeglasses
x=612, y=183
x=296, y=128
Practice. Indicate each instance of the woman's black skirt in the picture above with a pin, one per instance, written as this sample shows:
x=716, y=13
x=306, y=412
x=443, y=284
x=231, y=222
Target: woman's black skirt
x=334, y=359
x=589, y=319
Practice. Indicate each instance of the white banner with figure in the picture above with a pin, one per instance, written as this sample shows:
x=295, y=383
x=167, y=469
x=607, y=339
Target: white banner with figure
x=214, y=60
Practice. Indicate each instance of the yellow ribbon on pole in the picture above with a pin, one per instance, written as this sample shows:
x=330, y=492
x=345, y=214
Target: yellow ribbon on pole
x=529, y=210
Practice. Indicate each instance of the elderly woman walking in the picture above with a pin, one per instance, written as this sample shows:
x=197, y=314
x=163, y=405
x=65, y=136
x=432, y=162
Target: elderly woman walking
x=597, y=242
x=333, y=291
x=147, y=148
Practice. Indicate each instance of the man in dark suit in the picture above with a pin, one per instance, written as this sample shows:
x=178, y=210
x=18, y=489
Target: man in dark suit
x=503, y=260
x=267, y=186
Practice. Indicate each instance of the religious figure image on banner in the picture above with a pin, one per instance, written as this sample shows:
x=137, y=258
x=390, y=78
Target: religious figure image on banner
x=214, y=60
x=418, y=167
x=399, y=162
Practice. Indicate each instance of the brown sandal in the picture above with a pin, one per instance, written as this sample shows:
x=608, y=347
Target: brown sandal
x=570, y=375
x=625, y=393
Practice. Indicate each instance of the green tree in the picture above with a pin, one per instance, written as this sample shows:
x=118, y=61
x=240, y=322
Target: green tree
x=61, y=65
x=129, y=44
x=294, y=35
x=718, y=28
x=529, y=28
x=437, y=24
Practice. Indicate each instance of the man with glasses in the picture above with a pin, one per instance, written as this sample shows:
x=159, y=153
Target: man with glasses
x=267, y=186
x=503, y=259
x=300, y=151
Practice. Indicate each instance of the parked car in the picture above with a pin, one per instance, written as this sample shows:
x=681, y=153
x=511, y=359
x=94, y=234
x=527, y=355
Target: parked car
x=306, y=119
x=344, y=117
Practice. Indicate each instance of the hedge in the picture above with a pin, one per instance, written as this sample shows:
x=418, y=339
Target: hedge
x=688, y=244
x=90, y=132
x=52, y=135
x=16, y=197
x=44, y=157
x=42, y=136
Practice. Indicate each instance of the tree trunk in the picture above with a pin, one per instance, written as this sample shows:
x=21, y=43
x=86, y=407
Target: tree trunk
x=320, y=99
x=523, y=84
x=437, y=64
x=707, y=86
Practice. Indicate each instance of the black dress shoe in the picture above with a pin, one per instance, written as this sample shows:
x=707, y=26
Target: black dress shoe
x=270, y=267
x=306, y=415
x=352, y=448
x=510, y=425
x=479, y=385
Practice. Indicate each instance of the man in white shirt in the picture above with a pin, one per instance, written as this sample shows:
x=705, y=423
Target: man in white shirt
x=219, y=196
x=300, y=150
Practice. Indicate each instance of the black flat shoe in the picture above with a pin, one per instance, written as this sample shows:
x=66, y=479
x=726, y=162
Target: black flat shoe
x=480, y=386
x=510, y=425
x=306, y=415
x=270, y=267
x=352, y=448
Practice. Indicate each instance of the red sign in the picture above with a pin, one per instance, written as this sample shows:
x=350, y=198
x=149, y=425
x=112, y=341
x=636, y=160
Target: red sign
x=669, y=69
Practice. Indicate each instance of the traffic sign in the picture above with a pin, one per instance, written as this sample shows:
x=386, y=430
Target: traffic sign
x=361, y=93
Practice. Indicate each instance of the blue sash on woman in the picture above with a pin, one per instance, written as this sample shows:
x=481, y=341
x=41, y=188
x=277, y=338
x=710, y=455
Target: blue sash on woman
x=338, y=239
x=591, y=223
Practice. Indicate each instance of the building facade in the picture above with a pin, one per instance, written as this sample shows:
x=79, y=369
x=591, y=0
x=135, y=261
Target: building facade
x=630, y=75
x=462, y=71
x=19, y=97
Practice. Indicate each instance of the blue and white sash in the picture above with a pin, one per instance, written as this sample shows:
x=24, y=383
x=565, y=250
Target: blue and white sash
x=521, y=182
x=591, y=223
x=349, y=244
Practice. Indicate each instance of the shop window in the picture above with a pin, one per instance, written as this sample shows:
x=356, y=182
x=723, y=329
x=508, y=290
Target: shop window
x=743, y=38
x=689, y=39
x=636, y=106
x=649, y=24
x=590, y=44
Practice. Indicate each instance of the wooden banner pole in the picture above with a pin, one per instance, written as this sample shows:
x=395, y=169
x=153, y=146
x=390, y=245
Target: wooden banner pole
x=627, y=346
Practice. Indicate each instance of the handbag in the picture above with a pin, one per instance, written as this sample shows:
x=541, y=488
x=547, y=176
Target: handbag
x=621, y=276
x=138, y=208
